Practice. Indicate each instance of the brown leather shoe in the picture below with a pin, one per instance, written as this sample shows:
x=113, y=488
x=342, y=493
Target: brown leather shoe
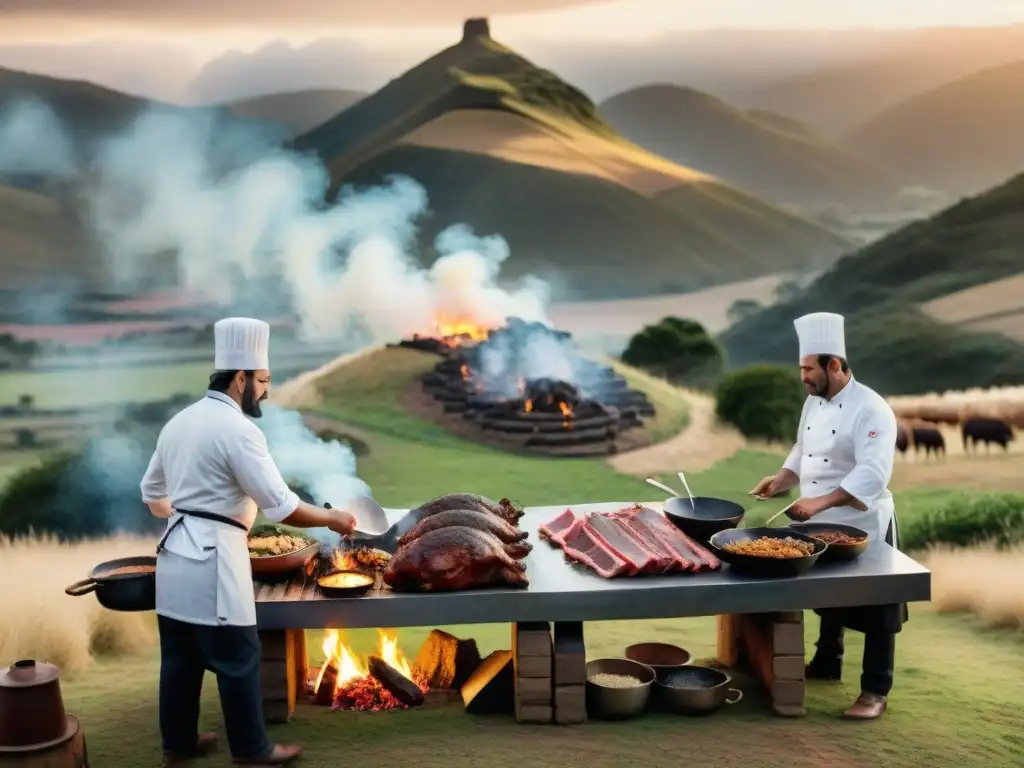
x=868, y=706
x=206, y=744
x=279, y=755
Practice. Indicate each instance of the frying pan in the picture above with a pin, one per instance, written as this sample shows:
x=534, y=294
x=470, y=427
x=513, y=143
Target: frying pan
x=705, y=517
x=836, y=552
x=353, y=591
x=769, y=567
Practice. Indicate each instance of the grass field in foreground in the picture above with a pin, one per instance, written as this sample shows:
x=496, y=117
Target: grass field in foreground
x=957, y=700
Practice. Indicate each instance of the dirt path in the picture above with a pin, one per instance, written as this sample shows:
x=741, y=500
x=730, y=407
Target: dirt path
x=699, y=446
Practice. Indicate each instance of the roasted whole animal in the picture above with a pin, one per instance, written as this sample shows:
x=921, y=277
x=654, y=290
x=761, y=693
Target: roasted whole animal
x=468, y=518
x=454, y=558
x=503, y=509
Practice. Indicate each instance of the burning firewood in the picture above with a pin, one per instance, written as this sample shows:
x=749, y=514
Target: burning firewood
x=397, y=684
x=445, y=661
x=325, y=684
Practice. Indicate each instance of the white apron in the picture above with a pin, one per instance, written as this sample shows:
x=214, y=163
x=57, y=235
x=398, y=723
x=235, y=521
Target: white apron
x=828, y=457
x=204, y=575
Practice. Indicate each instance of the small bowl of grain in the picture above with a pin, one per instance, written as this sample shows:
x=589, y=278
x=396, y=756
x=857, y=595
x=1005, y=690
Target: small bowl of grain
x=618, y=688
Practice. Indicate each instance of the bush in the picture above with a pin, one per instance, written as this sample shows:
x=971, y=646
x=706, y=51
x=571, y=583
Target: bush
x=679, y=350
x=967, y=520
x=762, y=401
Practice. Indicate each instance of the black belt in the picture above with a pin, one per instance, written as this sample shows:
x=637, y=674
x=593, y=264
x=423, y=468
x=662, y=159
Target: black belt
x=204, y=516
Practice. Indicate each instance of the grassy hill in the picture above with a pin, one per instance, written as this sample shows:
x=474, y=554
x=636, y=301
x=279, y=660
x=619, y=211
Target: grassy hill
x=298, y=111
x=508, y=147
x=963, y=136
x=996, y=306
x=767, y=153
x=897, y=346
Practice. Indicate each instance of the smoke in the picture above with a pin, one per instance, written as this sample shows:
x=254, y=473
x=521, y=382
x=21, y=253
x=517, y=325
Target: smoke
x=215, y=203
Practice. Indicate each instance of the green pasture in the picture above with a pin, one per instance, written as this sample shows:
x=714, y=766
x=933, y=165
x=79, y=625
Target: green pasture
x=957, y=702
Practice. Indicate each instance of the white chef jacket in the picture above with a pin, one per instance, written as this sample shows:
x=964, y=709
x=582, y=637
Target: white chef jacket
x=211, y=458
x=848, y=442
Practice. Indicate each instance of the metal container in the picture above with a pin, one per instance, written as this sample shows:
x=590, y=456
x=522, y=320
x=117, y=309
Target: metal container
x=618, y=703
x=120, y=592
x=709, y=692
x=31, y=707
x=275, y=567
x=769, y=567
x=836, y=553
x=705, y=517
x=659, y=656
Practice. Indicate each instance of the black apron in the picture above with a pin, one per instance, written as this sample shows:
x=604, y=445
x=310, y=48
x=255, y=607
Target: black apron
x=885, y=619
x=204, y=516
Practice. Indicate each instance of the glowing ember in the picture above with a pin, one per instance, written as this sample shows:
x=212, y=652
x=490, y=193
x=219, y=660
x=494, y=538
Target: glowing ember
x=354, y=686
x=452, y=329
x=528, y=406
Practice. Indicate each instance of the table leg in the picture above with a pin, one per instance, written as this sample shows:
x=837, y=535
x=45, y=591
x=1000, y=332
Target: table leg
x=570, y=673
x=727, y=637
x=773, y=643
x=283, y=670
x=532, y=659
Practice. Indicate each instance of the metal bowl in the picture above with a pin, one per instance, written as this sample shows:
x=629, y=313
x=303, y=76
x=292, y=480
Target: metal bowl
x=362, y=583
x=275, y=566
x=120, y=592
x=708, y=692
x=836, y=552
x=771, y=567
x=659, y=656
x=618, y=703
x=705, y=517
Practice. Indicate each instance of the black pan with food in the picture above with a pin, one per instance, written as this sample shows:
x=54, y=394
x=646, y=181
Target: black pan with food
x=345, y=583
x=836, y=551
x=759, y=565
x=126, y=584
x=705, y=517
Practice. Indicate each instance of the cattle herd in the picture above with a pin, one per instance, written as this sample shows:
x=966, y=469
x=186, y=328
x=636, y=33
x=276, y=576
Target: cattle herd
x=986, y=418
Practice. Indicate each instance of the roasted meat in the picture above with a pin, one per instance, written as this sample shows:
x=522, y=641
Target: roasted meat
x=454, y=558
x=469, y=518
x=503, y=509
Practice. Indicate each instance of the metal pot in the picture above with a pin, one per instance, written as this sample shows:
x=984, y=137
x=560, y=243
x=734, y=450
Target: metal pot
x=769, y=567
x=706, y=691
x=618, y=703
x=705, y=517
x=124, y=592
x=659, y=656
x=31, y=707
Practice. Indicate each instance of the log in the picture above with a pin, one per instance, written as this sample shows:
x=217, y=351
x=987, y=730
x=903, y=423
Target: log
x=570, y=437
x=552, y=426
x=326, y=682
x=491, y=687
x=70, y=754
x=401, y=687
x=445, y=661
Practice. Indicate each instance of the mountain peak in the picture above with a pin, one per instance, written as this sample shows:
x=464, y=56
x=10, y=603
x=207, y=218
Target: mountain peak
x=478, y=27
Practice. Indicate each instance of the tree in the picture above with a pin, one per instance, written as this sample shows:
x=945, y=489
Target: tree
x=762, y=401
x=741, y=309
x=677, y=349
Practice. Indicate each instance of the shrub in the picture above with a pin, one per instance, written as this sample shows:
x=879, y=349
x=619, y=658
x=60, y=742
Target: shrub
x=964, y=520
x=679, y=350
x=762, y=401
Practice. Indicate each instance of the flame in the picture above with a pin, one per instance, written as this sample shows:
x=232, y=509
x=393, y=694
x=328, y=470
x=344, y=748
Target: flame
x=453, y=328
x=343, y=561
x=565, y=408
x=528, y=406
x=350, y=667
x=464, y=370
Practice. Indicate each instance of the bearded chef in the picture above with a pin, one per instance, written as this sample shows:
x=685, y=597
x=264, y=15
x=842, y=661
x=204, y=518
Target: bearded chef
x=209, y=473
x=843, y=459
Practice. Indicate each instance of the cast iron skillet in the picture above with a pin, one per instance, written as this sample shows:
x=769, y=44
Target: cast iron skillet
x=352, y=591
x=705, y=518
x=752, y=565
x=836, y=552
x=127, y=592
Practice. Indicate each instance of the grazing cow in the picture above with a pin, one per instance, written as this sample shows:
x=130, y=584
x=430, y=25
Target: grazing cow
x=986, y=430
x=902, y=438
x=930, y=439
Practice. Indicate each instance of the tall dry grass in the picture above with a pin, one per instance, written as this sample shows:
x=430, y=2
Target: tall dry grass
x=982, y=580
x=40, y=622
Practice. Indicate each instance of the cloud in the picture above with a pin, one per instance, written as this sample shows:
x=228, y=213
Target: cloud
x=273, y=13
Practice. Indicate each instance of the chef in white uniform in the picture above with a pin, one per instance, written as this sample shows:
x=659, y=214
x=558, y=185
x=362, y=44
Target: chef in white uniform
x=210, y=471
x=843, y=460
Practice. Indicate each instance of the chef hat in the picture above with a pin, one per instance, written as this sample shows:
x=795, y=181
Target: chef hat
x=241, y=344
x=821, y=333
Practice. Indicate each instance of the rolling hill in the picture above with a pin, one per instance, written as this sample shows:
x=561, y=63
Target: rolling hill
x=900, y=346
x=298, y=111
x=508, y=147
x=963, y=136
x=767, y=153
x=996, y=306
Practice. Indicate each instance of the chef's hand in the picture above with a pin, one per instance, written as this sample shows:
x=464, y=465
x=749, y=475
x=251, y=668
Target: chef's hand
x=342, y=522
x=806, y=508
x=766, y=488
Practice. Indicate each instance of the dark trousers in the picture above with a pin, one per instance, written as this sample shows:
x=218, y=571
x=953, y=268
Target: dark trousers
x=233, y=655
x=879, y=656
